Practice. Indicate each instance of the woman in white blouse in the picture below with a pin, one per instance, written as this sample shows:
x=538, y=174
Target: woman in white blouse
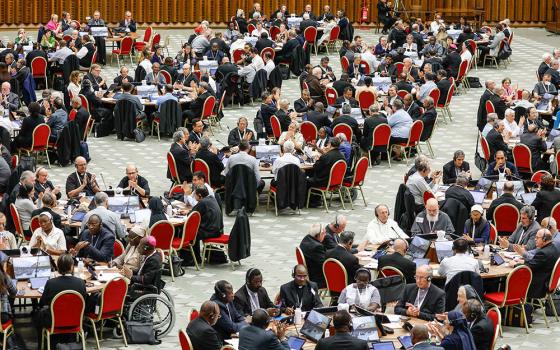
x=410, y=46
x=48, y=237
x=293, y=135
x=25, y=206
x=361, y=293
x=75, y=82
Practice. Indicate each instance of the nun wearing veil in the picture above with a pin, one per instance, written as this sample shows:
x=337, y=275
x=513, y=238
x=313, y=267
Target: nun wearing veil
x=454, y=334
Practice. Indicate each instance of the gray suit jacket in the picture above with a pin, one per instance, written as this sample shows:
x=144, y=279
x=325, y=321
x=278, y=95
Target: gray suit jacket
x=528, y=238
x=12, y=102
x=255, y=338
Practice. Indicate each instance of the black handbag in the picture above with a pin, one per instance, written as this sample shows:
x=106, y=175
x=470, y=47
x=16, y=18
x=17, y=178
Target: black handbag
x=140, y=333
x=139, y=135
x=27, y=163
x=176, y=264
x=479, y=161
x=390, y=288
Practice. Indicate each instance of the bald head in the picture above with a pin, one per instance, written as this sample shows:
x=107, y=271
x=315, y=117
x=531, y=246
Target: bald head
x=209, y=311
x=431, y=205
x=400, y=246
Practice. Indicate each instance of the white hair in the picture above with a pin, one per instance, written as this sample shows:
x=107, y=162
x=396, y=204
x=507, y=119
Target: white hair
x=509, y=111
x=342, y=136
x=315, y=230
x=546, y=56
x=288, y=147
x=306, y=15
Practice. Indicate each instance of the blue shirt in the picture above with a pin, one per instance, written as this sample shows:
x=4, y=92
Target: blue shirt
x=168, y=96
x=57, y=121
x=346, y=151
x=400, y=123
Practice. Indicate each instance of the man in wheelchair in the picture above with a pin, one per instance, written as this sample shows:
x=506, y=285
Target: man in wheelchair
x=148, y=278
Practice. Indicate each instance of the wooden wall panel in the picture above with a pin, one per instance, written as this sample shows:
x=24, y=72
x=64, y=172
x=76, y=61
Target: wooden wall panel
x=15, y=13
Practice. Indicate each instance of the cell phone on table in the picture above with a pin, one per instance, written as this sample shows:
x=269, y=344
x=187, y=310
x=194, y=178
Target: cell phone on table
x=92, y=272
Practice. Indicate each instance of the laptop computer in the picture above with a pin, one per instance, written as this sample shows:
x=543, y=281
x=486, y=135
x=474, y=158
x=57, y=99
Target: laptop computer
x=267, y=152
x=365, y=328
x=315, y=326
x=295, y=343
x=444, y=250
x=124, y=205
x=421, y=262
x=478, y=196
x=384, y=345
x=38, y=282
x=528, y=198
x=78, y=216
x=518, y=188
x=418, y=247
x=26, y=267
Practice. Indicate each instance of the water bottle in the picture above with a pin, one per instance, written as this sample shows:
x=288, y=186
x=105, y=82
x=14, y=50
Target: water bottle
x=69, y=211
x=80, y=268
x=169, y=210
x=297, y=316
x=486, y=252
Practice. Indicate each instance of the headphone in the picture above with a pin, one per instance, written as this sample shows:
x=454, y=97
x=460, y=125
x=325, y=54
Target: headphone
x=475, y=312
x=294, y=270
x=249, y=272
x=238, y=120
x=362, y=269
x=381, y=205
x=221, y=294
x=336, y=225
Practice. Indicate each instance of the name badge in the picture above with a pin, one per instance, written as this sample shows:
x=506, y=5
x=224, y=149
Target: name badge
x=312, y=291
x=419, y=220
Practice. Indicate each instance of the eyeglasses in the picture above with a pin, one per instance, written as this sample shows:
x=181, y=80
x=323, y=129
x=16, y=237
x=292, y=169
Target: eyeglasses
x=132, y=173
x=420, y=277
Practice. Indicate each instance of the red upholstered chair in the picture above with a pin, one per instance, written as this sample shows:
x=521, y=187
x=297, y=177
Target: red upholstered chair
x=381, y=137
x=72, y=115
x=187, y=239
x=462, y=74
x=537, y=176
x=344, y=63
x=237, y=55
x=517, y=286
x=522, y=158
x=493, y=234
x=489, y=107
x=276, y=128
x=111, y=308
x=309, y=131
x=201, y=165
x=365, y=66
x=334, y=185
x=427, y=195
x=39, y=69
x=140, y=45
x=402, y=93
x=207, y=111
x=332, y=40
x=67, y=312
x=506, y=216
x=335, y=275
x=250, y=28
x=555, y=212
x=269, y=50
x=172, y=166
x=40, y=142
x=331, y=95
x=400, y=67
x=274, y=31
x=124, y=50
x=413, y=139
x=389, y=271
x=193, y=315
x=17, y=224
x=434, y=94
x=494, y=315
x=551, y=290
x=305, y=86
x=344, y=129
x=444, y=108
x=220, y=243
x=366, y=98
x=85, y=103
x=310, y=35
x=163, y=232
x=155, y=42
x=118, y=249
x=185, y=341
x=357, y=180
x=300, y=257
x=485, y=148
x=167, y=76
x=15, y=160
x=176, y=189
x=34, y=223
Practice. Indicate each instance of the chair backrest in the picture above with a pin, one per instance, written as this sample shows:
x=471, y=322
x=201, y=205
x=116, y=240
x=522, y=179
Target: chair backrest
x=427, y=195
x=555, y=212
x=276, y=129
x=274, y=31
x=472, y=45
x=462, y=69
x=39, y=67
x=336, y=176
x=554, y=277
x=506, y=216
x=176, y=189
x=16, y=219
x=201, y=165
x=148, y=34
x=34, y=223
x=310, y=34
x=335, y=32
x=522, y=158
x=208, y=107
x=388, y=271
x=345, y=129
x=308, y=131
x=381, y=135
x=360, y=171
x=400, y=67
x=155, y=42
x=85, y=103
x=190, y=229
x=450, y=93
x=517, y=285
x=537, y=176
x=193, y=315
x=89, y=126
x=118, y=249
x=486, y=29
x=331, y=95
x=166, y=75
x=269, y=50
x=415, y=132
x=94, y=57
x=41, y=135
x=185, y=341
x=366, y=98
x=344, y=63
x=365, y=66
x=510, y=39
x=304, y=85
x=126, y=45
x=485, y=147
x=67, y=311
x=163, y=232
x=172, y=166
x=72, y=115
x=67, y=38
x=494, y=315
x=237, y=54
x=250, y=28
x=335, y=275
x=434, y=94
x=112, y=298
x=490, y=107
x=493, y=234
x=300, y=258
x=15, y=160
x=402, y=93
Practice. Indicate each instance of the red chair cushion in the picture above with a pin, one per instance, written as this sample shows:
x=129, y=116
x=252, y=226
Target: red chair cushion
x=6, y=325
x=273, y=189
x=495, y=297
x=223, y=239
x=176, y=242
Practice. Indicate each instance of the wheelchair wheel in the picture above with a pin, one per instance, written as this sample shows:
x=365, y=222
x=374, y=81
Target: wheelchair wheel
x=166, y=295
x=156, y=309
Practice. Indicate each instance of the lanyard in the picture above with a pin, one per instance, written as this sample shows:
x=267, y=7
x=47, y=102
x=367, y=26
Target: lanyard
x=431, y=226
x=521, y=236
x=78, y=177
x=545, y=87
x=253, y=299
x=144, y=262
x=241, y=136
x=418, y=303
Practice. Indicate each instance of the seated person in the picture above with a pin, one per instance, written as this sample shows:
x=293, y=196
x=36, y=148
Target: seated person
x=460, y=261
x=497, y=141
x=49, y=204
x=44, y=185
x=342, y=253
x=417, y=183
x=432, y=220
x=96, y=242
x=420, y=338
x=342, y=339
x=361, y=293
x=134, y=183
x=208, y=154
x=81, y=181
x=243, y=157
x=7, y=239
x=482, y=328
x=525, y=232
x=540, y=264
x=314, y=252
x=454, y=334
x=241, y=132
x=111, y=221
x=456, y=167
x=347, y=98
x=422, y=299
x=201, y=331
x=131, y=258
x=322, y=167
x=48, y=237
x=64, y=282
x=382, y=228
x=477, y=228
x=149, y=273
x=287, y=157
x=253, y=296
x=300, y=293
x=347, y=118
x=190, y=198
x=546, y=198
x=211, y=219
x=398, y=260
x=261, y=334
x=506, y=197
x=459, y=192
x=231, y=321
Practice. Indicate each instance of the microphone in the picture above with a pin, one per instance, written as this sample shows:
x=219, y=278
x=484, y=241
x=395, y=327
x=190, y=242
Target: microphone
x=103, y=179
x=398, y=234
x=125, y=214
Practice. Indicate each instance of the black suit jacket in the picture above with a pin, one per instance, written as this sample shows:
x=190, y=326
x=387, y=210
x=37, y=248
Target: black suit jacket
x=414, y=111
x=118, y=80
x=300, y=106
x=434, y=303
x=202, y=335
x=541, y=265
x=482, y=331
x=309, y=301
x=198, y=104
x=443, y=85
x=314, y=253
x=101, y=246
x=369, y=126
x=263, y=43
x=353, y=102
x=182, y=161
x=322, y=167
x=340, y=85
x=403, y=85
x=350, y=262
x=255, y=338
x=131, y=25
x=320, y=119
x=307, y=23
x=346, y=119
x=451, y=63
x=342, y=341
x=406, y=266
x=544, y=202
x=543, y=67
x=214, y=164
x=460, y=194
x=242, y=301
x=481, y=115
x=449, y=174
x=499, y=106
x=496, y=143
x=537, y=146
x=429, y=119
x=504, y=198
x=55, y=286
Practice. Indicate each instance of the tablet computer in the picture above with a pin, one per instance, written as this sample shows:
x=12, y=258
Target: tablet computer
x=295, y=343
x=315, y=326
x=384, y=345
x=406, y=341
